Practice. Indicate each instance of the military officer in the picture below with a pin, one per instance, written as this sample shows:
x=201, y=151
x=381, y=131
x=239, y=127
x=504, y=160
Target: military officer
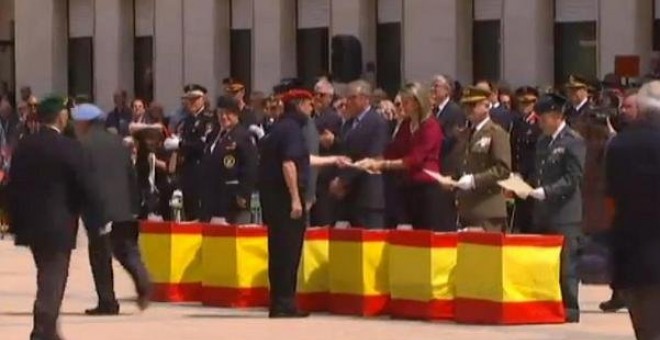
x=525, y=132
x=229, y=167
x=191, y=140
x=487, y=159
x=577, y=89
x=560, y=157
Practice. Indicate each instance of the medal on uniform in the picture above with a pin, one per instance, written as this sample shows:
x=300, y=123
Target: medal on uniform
x=229, y=161
x=484, y=142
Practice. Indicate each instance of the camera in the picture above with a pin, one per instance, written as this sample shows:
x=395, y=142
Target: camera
x=606, y=106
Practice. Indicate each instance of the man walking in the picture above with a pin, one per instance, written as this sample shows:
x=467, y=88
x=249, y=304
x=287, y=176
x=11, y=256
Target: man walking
x=114, y=176
x=49, y=173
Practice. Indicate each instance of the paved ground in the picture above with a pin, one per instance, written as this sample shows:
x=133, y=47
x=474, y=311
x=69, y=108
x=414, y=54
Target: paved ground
x=164, y=322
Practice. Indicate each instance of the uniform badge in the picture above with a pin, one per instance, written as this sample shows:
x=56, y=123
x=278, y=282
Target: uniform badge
x=558, y=151
x=229, y=161
x=484, y=142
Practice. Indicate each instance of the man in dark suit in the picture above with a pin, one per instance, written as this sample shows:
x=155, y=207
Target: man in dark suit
x=328, y=123
x=453, y=123
x=364, y=135
x=49, y=172
x=560, y=157
x=633, y=180
x=113, y=173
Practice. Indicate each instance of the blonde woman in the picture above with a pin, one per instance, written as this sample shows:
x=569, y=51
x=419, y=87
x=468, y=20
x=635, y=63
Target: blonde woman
x=417, y=146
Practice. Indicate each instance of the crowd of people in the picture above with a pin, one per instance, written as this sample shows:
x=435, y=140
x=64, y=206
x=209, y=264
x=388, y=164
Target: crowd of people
x=429, y=157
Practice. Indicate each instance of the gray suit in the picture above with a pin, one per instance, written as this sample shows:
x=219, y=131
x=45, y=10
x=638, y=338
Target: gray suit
x=113, y=172
x=559, y=171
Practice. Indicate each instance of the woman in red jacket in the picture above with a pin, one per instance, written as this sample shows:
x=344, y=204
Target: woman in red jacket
x=417, y=152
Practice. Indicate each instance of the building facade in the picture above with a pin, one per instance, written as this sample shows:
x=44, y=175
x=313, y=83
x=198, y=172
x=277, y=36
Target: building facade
x=152, y=48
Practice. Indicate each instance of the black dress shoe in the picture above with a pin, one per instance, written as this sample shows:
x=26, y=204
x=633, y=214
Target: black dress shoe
x=103, y=310
x=295, y=314
x=572, y=318
x=143, y=301
x=612, y=305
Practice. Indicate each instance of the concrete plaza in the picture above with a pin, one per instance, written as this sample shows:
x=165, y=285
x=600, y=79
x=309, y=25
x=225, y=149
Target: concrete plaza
x=164, y=321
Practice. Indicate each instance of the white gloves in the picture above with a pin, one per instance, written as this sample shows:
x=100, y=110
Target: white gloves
x=466, y=182
x=538, y=194
x=172, y=143
x=257, y=131
x=107, y=228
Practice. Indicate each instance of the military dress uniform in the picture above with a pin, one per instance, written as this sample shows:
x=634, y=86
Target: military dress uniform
x=573, y=113
x=525, y=132
x=194, y=130
x=487, y=158
x=230, y=174
x=559, y=171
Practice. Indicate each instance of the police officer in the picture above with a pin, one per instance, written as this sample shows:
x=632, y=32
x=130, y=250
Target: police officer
x=487, y=159
x=525, y=132
x=191, y=140
x=229, y=167
x=283, y=174
x=560, y=157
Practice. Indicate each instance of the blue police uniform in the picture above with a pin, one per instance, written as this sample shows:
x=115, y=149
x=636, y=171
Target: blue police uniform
x=230, y=173
x=285, y=142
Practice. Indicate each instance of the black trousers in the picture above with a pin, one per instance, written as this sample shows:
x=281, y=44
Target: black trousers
x=644, y=307
x=568, y=279
x=430, y=207
x=191, y=186
x=122, y=242
x=523, y=216
x=52, y=273
x=285, y=241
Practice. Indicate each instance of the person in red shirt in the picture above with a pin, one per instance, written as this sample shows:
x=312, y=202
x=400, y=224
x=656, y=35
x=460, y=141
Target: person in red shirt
x=416, y=147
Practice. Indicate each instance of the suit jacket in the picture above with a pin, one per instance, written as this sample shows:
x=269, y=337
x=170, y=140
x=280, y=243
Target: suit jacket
x=113, y=173
x=633, y=182
x=559, y=171
x=502, y=116
x=49, y=186
x=367, y=138
x=452, y=121
x=487, y=156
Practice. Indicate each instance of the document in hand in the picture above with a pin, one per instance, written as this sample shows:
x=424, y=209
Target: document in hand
x=443, y=180
x=517, y=185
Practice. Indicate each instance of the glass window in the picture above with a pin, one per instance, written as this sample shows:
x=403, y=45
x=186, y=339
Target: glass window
x=486, y=49
x=575, y=50
x=81, y=67
x=241, y=56
x=143, y=71
x=312, y=54
x=388, y=45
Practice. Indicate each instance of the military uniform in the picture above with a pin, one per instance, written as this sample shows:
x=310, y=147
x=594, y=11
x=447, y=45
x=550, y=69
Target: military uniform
x=193, y=131
x=487, y=158
x=230, y=173
x=573, y=113
x=525, y=132
x=559, y=173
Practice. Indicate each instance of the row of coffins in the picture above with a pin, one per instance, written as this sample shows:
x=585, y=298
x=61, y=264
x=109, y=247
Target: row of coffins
x=485, y=278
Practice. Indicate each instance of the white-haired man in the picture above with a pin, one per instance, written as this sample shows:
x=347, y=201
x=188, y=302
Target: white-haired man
x=328, y=123
x=633, y=180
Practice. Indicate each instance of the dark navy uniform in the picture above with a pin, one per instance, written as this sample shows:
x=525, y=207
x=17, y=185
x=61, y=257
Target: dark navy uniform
x=559, y=171
x=194, y=131
x=230, y=175
x=525, y=132
x=285, y=142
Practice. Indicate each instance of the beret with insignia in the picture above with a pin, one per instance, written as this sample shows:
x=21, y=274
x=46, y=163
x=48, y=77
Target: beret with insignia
x=228, y=103
x=52, y=104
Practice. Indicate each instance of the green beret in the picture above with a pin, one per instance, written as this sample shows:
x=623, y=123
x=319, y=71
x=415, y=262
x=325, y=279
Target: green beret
x=52, y=104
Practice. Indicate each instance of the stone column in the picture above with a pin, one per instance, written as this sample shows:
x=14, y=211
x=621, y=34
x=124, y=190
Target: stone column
x=41, y=50
x=113, y=49
x=437, y=38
